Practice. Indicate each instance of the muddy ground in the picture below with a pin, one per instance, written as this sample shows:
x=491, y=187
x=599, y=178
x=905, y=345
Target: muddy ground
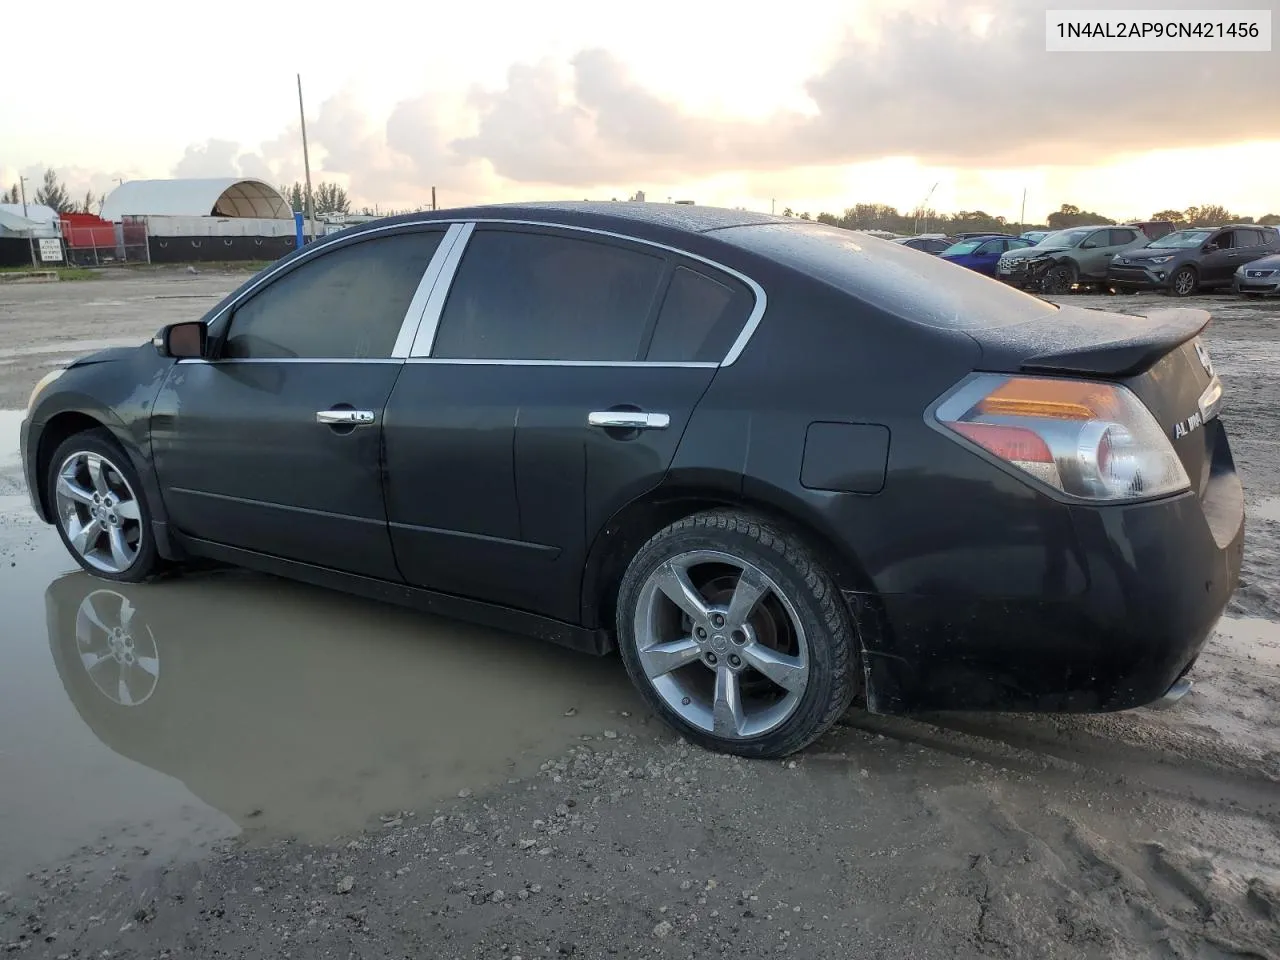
x=289, y=772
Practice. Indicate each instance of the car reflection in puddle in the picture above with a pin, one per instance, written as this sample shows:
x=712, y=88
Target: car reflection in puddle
x=303, y=712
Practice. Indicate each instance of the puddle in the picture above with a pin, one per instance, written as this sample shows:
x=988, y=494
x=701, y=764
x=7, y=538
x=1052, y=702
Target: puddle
x=1252, y=639
x=10, y=423
x=194, y=708
x=70, y=346
x=1268, y=509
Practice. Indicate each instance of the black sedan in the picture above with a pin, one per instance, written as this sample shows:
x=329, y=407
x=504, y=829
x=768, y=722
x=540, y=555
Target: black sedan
x=777, y=465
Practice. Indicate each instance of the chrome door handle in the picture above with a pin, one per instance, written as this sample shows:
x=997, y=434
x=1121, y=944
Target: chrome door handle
x=628, y=420
x=344, y=417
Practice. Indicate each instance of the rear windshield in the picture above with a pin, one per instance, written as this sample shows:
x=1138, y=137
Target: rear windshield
x=891, y=277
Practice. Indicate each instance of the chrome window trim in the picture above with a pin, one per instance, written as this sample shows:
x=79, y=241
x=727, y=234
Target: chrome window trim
x=429, y=322
x=418, y=306
x=420, y=349
x=229, y=360
x=470, y=362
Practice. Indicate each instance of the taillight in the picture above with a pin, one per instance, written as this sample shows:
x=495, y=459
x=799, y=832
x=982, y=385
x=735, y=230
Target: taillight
x=1096, y=441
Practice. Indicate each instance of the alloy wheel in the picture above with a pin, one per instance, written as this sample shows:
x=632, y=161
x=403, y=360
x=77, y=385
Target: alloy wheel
x=99, y=512
x=1184, y=283
x=721, y=644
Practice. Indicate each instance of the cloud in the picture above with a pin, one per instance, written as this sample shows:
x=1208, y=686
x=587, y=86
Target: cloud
x=964, y=84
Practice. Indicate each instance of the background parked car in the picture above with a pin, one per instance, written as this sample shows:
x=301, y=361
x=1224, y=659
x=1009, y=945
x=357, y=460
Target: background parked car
x=1035, y=236
x=1185, y=261
x=1154, y=229
x=1068, y=257
x=1258, y=277
x=981, y=253
x=933, y=243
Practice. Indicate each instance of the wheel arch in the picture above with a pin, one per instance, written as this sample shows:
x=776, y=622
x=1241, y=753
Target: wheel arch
x=72, y=420
x=631, y=527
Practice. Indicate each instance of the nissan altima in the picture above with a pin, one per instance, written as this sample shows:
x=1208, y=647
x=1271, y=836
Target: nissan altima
x=776, y=465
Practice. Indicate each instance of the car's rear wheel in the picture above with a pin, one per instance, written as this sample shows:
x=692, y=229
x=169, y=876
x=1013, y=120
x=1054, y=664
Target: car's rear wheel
x=1184, y=282
x=1059, y=279
x=736, y=635
x=99, y=509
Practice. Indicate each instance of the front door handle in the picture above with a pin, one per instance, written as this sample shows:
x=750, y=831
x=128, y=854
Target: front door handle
x=344, y=418
x=628, y=420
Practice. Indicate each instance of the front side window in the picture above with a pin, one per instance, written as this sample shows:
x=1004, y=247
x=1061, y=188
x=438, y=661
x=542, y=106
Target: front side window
x=699, y=320
x=532, y=296
x=346, y=304
x=990, y=247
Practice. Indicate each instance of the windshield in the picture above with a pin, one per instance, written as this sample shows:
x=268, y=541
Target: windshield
x=964, y=246
x=1065, y=238
x=1181, y=239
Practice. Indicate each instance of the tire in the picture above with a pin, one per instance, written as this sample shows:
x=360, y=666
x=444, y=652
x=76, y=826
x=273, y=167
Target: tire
x=1059, y=279
x=799, y=629
x=1184, y=282
x=110, y=496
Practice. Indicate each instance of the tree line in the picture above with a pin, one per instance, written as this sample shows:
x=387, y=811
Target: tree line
x=879, y=216
x=331, y=198
x=52, y=193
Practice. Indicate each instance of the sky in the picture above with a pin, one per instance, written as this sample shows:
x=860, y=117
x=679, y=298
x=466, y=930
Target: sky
x=809, y=104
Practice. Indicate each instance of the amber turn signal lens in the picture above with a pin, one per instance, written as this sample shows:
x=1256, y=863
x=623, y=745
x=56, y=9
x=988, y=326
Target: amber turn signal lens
x=1052, y=399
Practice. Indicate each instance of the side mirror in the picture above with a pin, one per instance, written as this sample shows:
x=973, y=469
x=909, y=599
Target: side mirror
x=182, y=341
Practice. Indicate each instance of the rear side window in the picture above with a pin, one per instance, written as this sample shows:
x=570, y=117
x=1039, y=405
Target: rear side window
x=531, y=296
x=346, y=304
x=699, y=320
x=1120, y=237
x=1249, y=238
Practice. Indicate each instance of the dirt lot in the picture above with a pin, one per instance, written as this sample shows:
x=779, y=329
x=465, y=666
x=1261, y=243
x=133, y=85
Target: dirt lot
x=287, y=772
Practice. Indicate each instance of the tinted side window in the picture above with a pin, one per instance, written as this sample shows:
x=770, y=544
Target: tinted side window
x=991, y=246
x=346, y=304
x=529, y=296
x=1249, y=238
x=1121, y=237
x=1099, y=238
x=1226, y=240
x=699, y=320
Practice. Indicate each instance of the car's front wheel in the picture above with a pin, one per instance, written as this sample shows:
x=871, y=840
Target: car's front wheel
x=1184, y=282
x=1059, y=279
x=736, y=635
x=99, y=509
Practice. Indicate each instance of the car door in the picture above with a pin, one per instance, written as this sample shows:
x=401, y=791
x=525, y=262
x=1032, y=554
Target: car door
x=559, y=344
x=984, y=258
x=1251, y=245
x=1220, y=258
x=1095, y=254
x=273, y=443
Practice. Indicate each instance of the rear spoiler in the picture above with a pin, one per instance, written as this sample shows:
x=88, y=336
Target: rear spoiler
x=1141, y=341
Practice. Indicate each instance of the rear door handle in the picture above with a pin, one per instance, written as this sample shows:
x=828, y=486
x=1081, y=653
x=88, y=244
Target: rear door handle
x=345, y=417
x=628, y=420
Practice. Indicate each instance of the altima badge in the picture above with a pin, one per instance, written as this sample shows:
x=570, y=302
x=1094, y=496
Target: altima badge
x=1184, y=427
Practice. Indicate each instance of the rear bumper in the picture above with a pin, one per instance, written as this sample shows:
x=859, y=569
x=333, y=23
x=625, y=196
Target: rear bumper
x=1159, y=576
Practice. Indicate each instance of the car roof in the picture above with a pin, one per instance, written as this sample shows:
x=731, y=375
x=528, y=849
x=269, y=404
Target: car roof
x=623, y=216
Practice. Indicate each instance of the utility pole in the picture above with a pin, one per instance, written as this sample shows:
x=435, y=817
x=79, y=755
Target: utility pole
x=1022, y=214
x=433, y=198
x=773, y=206
x=923, y=206
x=22, y=185
x=306, y=161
